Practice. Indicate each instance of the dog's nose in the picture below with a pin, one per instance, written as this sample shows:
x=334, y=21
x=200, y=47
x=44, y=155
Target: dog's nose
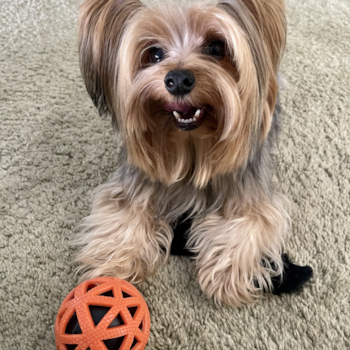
x=180, y=82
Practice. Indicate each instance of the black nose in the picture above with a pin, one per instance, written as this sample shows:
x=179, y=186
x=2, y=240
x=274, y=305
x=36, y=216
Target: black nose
x=180, y=82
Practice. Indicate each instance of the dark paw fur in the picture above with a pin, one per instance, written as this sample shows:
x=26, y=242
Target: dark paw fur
x=178, y=245
x=294, y=277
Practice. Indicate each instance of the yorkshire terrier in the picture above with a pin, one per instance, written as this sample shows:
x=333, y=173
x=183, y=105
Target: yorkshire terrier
x=193, y=93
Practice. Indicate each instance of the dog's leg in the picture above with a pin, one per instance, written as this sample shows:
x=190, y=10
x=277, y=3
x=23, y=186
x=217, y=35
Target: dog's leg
x=239, y=258
x=121, y=237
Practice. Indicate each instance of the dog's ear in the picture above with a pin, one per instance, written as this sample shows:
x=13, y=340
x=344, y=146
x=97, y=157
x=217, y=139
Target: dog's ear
x=101, y=26
x=264, y=23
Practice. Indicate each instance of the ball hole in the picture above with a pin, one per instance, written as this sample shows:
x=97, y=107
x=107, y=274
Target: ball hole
x=134, y=343
x=98, y=312
x=126, y=295
x=71, y=346
x=118, y=321
x=91, y=286
x=114, y=344
x=73, y=326
x=132, y=310
x=109, y=293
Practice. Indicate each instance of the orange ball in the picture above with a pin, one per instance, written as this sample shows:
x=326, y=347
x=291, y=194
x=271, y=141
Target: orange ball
x=103, y=314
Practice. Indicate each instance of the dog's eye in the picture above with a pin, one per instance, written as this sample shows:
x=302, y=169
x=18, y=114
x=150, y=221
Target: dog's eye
x=156, y=54
x=217, y=49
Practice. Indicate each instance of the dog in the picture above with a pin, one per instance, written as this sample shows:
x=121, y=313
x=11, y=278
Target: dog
x=192, y=91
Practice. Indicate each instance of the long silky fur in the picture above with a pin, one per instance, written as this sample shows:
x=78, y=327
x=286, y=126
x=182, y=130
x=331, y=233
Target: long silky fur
x=220, y=173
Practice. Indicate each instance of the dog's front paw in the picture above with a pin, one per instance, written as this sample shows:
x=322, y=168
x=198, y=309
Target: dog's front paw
x=293, y=279
x=129, y=268
x=228, y=284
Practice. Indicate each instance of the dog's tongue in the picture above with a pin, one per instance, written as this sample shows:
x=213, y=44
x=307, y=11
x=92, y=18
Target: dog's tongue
x=185, y=110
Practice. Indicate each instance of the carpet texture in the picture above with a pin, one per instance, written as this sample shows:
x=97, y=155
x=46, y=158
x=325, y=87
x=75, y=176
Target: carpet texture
x=55, y=150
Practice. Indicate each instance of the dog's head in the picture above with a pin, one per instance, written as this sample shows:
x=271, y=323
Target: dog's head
x=191, y=89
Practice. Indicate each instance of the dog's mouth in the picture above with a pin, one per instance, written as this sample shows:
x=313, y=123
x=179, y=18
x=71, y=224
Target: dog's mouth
x=186, y=117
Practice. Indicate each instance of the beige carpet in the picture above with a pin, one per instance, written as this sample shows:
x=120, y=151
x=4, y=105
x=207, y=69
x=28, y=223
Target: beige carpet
x=55, y=150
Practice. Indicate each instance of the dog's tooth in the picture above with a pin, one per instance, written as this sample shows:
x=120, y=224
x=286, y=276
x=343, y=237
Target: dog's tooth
x=176, y=114
x=198, y=112
x=190, y=120
x=194, y=119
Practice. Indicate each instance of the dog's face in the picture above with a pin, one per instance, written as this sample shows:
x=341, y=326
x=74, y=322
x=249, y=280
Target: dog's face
x=192, y=90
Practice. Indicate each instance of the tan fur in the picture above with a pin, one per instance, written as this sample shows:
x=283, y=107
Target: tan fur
x=121, y=238
x=229, y=252
x=128, y=232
